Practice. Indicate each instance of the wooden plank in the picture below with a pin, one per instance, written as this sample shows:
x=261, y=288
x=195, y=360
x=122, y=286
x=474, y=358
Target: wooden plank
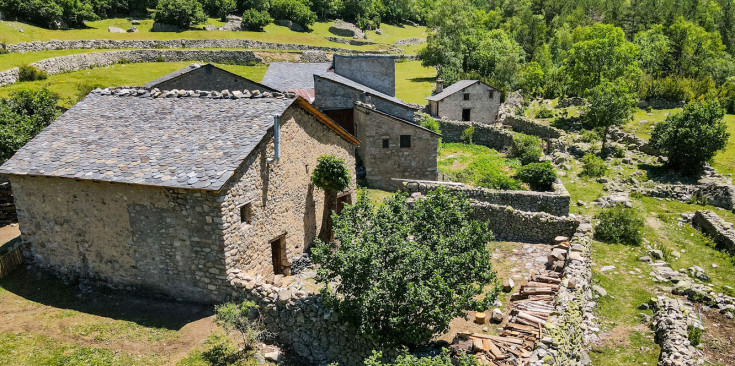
x=494, y=351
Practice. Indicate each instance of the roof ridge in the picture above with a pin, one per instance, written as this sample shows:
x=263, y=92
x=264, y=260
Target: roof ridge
x=142, y=92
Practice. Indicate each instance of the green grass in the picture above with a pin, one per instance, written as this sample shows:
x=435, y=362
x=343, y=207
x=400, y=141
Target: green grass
x=414, y=82
x=10, y=34
x=375, y=196
x=11, y=60
x=477, y=165
x=66, y=85
x=121, y=329
x=32, y=350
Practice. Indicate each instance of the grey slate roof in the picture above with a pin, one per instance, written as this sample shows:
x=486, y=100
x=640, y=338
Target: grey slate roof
x=173, y=75
x=172, y=140
x=355, y=85
x=458, y=86
x=293, y=75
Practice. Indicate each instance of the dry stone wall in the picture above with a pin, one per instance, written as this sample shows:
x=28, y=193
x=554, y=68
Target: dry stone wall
x=671, y=321
x=718, y=229
x=716, y=194
x=509, y=224
x=530, y=127
x=7, y=205
x=491, y=136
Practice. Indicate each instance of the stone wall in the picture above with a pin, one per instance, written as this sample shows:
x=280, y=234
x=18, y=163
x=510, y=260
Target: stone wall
x=483, y=104
x=491, y=136
x=208, y=77
x=7, y=204
x=331, y=95
x=9, y=76
x=632, y=141
x=716, y=228
x=384, y=163
x=114, y=233
x=529, y=227
x=284, y=204
x=530, y=127
x=671, y=320
x=716, y=194
x=556, y=202
x=373, y=71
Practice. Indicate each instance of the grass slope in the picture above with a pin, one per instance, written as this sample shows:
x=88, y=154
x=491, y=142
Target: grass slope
x=477, y=165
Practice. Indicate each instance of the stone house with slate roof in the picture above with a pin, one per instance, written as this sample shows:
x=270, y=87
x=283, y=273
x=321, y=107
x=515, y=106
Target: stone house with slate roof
x=206, y=77
x=465, y=100
x=171, y=191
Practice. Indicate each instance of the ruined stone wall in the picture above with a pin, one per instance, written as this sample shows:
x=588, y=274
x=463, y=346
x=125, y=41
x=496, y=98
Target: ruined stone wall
x=376, y=72
x=331, y=95
x=491, y=136
x=382, y=164
x=210, y=78
x=528, y=227
x=530, y=127
x=167, y=241
x=555, y=202
x=7, y=204
x=283, y=201
x=671, y=321
x=483, y=108
x=716, y=228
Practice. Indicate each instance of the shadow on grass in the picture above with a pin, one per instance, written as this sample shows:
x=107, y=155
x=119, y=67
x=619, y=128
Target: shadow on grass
x=422, y=80
x=152, y=312
x=662, y=174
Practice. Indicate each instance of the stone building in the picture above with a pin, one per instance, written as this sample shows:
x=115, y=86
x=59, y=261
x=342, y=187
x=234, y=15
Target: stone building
x=377, y=72
x=297, y=77
x=170, y=192
x=206, y=77
x=465, y=100
x=392, y=147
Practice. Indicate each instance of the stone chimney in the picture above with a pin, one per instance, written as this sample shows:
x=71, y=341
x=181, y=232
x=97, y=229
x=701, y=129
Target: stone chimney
x=439, y=86
x=366, y=100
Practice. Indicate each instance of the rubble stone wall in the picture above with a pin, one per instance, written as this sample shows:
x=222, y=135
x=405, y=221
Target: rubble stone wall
x=671, y=321
x=491, y=136
x=530, y=127
x=718, y=229
x=7, y=204
x=509, y=224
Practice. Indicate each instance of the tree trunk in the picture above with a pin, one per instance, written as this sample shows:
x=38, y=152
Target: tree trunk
x=325, y=233
x=604, y=142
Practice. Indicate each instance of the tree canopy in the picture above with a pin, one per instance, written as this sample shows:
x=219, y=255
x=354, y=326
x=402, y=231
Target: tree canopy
x=23, y=116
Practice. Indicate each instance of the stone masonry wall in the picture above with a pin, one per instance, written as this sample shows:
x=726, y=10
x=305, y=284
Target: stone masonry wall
x=377, y=72
x=383, y=164
x=483, y=108
x=556, y=202
x=331, y=95
x=7, y=204
x=718, y=229
x=671, y=320
x=210, y=78
x=115, y=233
x=528, y=227
x=491, y=136
x=283, y=201
x=530, y=127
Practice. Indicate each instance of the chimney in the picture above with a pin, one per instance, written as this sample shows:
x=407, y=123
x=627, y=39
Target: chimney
x=439, y=86
x=366, y=99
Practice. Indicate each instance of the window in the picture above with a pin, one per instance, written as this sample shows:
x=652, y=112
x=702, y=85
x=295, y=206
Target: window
x=466, y=96
x=405, y=140
x=492, y=94
x=246, y=213
x=466, y=114
x=386, y=143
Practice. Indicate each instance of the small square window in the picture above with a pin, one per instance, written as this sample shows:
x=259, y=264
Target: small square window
x=405, y=140
x=246, y=213
x=466, y=114
x=492, y=94
x=466, y=96
x=386, y=143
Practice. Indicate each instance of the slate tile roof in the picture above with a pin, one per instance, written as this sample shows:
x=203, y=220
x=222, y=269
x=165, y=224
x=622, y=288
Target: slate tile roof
x=458, y=86
x=293, y=75
x=181, y=139
x=355, y=85
x=171, y=76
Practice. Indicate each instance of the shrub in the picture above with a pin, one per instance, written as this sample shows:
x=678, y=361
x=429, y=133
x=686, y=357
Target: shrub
x=539, y=176
x=694, y=333
x=468, y=134
x=443, y=359
x=593, y=166
x=219, y=8
x=181, y=13
x=255, y=20
x=430, y=124
x=544, y=113
x=30, y=73
x=726, y=95
x=401, y=271
x=23, y=116
x=243, y=319
x=589, y=136
x=619, y=225
x=526, y=148
x=293, y=10
x=3, y=51
x=693, y=137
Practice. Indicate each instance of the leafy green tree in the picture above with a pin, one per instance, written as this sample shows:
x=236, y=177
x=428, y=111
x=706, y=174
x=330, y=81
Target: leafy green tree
x=531, y=79
x=181, y=13
x=693, y=137
x=726, y=95
x=332, y=176
x=609, y=104
x=430, y=124
x=327, y=8
x=365, y=13
x=296, y=11
x=255, y=20
x=692, y=47
x=539, y=176
x=600, y=52
x=653, y=46
x=23, y=116
x=401, y=272
x=219, y=8
x=263, y=5
x=497, y=57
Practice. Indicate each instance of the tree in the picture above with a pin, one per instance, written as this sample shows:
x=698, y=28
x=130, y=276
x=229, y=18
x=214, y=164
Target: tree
x=693, y=137
x=653, y=46
x=609, y=104
x=531, y=79
x=219, y=8
x=332, y=176
x=181, y=13
x=600, y=52
x=401, y=272
x=294, y=10
x=497, y=57
x=23, y=116
x=255, y=20
x=691, y=47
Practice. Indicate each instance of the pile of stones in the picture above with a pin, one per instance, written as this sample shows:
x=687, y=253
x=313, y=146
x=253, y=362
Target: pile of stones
x=157, y=93
x=672, y=320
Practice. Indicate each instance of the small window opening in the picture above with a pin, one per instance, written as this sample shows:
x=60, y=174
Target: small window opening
x=246, y=213
x=466, y=114
x=466, y=96
x=386, y=143
x=405, y=140
x=492, y=94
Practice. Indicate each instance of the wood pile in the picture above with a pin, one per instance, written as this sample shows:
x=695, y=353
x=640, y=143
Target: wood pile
x=529, y=309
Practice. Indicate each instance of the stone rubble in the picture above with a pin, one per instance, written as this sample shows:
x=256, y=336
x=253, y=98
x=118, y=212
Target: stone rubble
x=671, y=320
x=714, y=226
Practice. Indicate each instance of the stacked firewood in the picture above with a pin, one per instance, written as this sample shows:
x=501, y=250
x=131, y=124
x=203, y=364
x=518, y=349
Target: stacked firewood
x=529, y=309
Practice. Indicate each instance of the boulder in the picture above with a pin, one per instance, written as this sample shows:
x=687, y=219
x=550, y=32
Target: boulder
x=289, y=24
x=115, y=30
x=345, y=29
x=497, y=315
x=162, y=27
x=601, y=292
x=135, y=22
x=133, y=29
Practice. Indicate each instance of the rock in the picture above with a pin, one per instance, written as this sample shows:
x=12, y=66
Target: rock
x=133, y=29
x=656, y=254
x=162, y=27
x=289, y=24
x=345, y=29
x=274, y=356
x=508, y=284
x=645, y=258
x=599, y=290
x=115, y=30
x=497, y=315
x=575, y=256
x=607, y=268
x=645, y=317
x=560, y=239
x=135, y=22
x=259, y=358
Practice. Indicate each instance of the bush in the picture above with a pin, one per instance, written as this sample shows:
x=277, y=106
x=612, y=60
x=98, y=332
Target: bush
x=619, y=225
x=593, y=166
x=410, y=360
x=526, y=148
x=219, y=8
x=539, y=176
x=181, y=13
x=430, y=124
x=255, y=20
x=244, y=319
x=467, y=135
x=544, y=113
x=30, y=73
x=401, y=271
x=726, y=95
x=693, y=137
x=694, y=333
x=23, y=116
x=293, y=10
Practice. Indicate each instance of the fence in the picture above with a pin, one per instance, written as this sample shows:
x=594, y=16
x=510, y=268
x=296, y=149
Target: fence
x=11, y=258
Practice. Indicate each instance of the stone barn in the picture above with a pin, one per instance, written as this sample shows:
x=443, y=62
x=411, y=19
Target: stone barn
x=465, y=100
x=206, y=77
x=171, y=192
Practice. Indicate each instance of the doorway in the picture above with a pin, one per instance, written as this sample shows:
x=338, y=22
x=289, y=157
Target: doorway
x=278, y=254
